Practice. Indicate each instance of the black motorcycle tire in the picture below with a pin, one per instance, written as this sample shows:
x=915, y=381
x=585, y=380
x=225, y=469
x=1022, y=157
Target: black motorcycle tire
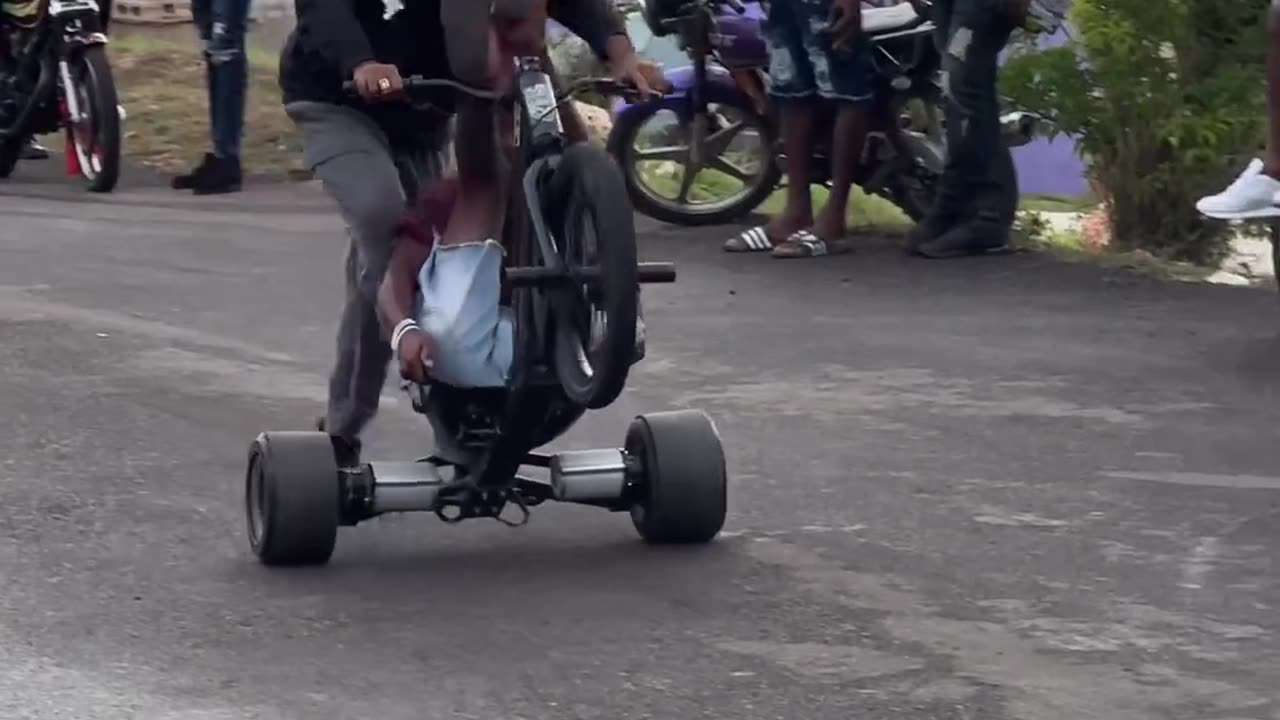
x=621, y=144
x=91, y=68
x=586, y=190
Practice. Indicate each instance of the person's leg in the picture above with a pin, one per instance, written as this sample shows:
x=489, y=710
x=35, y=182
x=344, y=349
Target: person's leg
x=945, y=210
x=843, y=77
x=978, y=181
x=354, y=162
x=202, y=15
x=228, y=73
x=794, y=88
x=477, y=60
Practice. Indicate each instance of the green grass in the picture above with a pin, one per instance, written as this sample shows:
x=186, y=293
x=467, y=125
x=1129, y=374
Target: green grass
x=1069, y=246
x=864, y=210
x=162, y=87
x=1055, y=203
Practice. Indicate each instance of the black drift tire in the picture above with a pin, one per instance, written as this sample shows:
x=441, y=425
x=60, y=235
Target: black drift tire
x=683, y=498
x=292, y=498
x=595, y=332
x=95, y=90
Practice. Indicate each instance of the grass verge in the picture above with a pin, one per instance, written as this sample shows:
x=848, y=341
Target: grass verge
x=162, y=87
x=1033, y=233
x=864, y=210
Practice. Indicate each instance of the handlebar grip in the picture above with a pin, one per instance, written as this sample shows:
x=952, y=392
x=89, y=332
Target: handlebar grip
x=736, y=6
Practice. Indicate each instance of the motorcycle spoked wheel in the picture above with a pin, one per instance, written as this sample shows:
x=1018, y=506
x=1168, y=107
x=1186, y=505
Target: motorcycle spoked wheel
x=96, y=137
x=622, y=145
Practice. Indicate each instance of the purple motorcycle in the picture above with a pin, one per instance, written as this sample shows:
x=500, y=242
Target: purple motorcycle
x=722, y=131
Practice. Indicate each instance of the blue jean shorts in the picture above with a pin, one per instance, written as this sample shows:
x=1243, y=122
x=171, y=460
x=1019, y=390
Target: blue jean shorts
x=802, y=62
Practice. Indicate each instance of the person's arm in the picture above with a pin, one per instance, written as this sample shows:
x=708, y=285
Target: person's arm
x=597, y=22
x=337, y=32
x=399, y=286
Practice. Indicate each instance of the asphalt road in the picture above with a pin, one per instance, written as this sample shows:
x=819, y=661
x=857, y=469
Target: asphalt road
x=990, y=489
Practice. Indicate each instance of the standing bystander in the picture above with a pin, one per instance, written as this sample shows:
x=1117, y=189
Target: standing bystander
x=816, y=52
x=1256, y=192
x=978, y=198
x=222, y=25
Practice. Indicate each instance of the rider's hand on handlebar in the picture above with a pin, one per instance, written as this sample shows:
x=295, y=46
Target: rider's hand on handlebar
x=627, y=67
x=378, y=82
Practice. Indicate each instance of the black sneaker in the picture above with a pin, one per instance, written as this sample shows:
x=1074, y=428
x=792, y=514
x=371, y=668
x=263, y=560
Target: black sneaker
x=223, y=176
x=188, y=181
x=933, y=225
x=33, y=150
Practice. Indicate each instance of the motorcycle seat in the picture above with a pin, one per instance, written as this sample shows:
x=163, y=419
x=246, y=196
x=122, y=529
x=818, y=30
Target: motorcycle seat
x=877, y=20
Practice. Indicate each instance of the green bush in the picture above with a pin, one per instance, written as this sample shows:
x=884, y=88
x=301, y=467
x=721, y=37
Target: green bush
x=1166, y=99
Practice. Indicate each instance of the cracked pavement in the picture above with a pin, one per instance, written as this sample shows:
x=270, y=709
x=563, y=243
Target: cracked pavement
x=1005, y=488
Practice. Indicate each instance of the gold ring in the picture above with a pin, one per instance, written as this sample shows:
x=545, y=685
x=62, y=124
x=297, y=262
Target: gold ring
x=384, y=84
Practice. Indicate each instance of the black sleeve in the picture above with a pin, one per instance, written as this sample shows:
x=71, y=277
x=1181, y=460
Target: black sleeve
x=335, y=31
x=595, y=21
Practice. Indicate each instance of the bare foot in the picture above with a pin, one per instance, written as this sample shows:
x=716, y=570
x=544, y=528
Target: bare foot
x=783, y=226
x=830, y=225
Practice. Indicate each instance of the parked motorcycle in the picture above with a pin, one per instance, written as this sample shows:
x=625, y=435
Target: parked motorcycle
x=62, y=80
x=726, y=132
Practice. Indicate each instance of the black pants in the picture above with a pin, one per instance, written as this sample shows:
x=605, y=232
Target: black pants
x=979, y=180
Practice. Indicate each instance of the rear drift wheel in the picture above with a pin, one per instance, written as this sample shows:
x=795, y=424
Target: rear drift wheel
x=291, y=498
x=683, y=497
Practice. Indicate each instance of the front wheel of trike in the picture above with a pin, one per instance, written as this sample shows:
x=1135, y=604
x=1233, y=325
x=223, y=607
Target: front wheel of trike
x=595, y=332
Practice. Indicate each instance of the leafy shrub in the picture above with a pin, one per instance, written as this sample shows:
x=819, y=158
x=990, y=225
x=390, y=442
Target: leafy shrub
x=1166, y=100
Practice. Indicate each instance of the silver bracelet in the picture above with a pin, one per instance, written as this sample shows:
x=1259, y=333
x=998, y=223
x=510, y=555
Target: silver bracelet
x=402, y=327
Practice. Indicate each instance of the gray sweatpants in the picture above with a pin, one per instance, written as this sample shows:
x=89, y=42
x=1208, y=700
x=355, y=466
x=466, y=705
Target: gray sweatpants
x=372, y=183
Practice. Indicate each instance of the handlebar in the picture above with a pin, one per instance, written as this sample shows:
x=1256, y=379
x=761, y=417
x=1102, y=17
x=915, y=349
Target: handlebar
x=417, y=83
x=696, y=8
x=601, y=86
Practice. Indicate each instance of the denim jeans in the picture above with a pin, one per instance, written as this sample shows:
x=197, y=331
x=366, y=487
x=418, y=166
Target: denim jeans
x=979, y=180
x=222, y=25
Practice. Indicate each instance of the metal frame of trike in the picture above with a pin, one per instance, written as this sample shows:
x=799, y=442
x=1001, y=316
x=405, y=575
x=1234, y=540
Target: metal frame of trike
x=489, y=435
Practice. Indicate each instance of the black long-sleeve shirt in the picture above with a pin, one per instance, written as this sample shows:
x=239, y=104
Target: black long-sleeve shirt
x=333, y=37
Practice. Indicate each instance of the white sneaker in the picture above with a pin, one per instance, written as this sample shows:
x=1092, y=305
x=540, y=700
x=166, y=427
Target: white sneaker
x=1252, y=195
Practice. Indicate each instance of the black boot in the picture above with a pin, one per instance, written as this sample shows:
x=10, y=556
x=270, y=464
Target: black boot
x=975, y=237
x=223, y=176
x=189, y=180
x=935, y=223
